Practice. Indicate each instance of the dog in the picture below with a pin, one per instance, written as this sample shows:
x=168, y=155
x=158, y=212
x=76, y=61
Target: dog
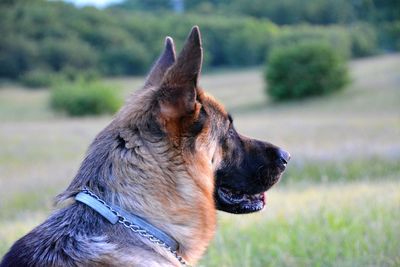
x=149, y=188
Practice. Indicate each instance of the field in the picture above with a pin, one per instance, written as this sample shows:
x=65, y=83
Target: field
x=337, y=205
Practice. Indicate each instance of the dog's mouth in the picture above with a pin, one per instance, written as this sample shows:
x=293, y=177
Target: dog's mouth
x=239, y=202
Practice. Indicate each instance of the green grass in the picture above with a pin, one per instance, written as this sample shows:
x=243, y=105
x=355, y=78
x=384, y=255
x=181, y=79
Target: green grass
x=18, y=103
x=337, y=205
x=342, y=170
x=354, y=224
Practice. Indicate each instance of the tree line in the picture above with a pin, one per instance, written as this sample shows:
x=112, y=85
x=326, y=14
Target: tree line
x=55, y=37
x=283, y=12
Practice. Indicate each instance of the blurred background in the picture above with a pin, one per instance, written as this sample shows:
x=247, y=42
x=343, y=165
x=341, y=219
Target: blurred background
x=320, y=78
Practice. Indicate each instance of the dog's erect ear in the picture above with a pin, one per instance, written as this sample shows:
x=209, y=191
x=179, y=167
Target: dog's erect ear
x=187, y=67
x=178, y=88
x=165, y=61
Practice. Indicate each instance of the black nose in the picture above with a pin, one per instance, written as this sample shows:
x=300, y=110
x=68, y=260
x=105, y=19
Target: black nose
x=284, y=156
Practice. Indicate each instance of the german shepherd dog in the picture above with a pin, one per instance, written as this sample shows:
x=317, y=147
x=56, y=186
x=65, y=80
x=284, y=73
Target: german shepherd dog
x=171, y=157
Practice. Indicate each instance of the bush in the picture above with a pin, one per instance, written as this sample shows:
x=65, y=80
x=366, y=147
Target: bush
x=305, y=69
x=70, y=74
x=37, y=78
x=43, y=77
x=363, y=40
x=81, y=98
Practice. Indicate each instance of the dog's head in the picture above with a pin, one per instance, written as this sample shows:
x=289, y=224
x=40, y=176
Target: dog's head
x=241, y=168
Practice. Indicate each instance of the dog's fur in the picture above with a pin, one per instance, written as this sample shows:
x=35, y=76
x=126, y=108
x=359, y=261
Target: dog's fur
x=171, y=156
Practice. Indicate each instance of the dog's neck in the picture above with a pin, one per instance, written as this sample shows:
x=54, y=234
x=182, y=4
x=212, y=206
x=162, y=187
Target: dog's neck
x=155, y=181
x=164, y=191
x=136, y=224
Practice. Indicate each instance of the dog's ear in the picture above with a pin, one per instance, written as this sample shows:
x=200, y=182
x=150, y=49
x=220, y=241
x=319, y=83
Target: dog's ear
x=165, y=61
x=177, y=95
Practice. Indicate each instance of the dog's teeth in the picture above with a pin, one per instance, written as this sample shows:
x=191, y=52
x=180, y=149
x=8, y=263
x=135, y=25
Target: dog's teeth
x=251, y=202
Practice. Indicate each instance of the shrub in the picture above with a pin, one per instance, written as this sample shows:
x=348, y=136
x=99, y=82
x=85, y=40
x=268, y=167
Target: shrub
x=81, y=98
x=71, y=74
x=37, y=78
x=305, y=69
x=363, y=40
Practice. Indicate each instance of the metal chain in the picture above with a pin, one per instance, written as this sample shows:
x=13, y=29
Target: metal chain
x=137, y=229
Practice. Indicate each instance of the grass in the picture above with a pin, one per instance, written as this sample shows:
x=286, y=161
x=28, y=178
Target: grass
x=19, y=104
x=342, y=170
x=337, y=205
x=325, y=225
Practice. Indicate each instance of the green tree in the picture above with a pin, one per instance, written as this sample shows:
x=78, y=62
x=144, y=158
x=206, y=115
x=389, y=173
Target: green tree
x=17, y=55
x=59, y=53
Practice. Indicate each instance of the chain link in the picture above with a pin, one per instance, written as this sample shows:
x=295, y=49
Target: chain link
x=137, y=229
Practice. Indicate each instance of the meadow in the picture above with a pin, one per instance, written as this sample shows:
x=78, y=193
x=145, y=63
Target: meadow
x=338, y=204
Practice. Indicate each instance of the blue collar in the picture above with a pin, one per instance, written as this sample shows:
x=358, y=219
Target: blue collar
x=116, y=214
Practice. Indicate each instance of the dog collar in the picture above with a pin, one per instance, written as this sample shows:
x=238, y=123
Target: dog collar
x=137, y=224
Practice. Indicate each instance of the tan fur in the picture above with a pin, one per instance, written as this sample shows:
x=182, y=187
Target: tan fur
x=177, y=193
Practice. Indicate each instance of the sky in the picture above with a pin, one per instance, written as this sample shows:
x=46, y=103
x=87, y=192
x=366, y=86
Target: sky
x=97, y=3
